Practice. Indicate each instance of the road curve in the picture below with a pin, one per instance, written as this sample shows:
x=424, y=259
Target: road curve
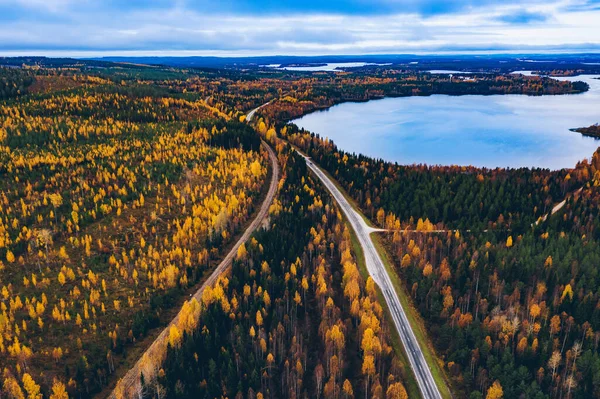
x=129, y=385
x=251, y=113
x=559, y=206
x=376, y=268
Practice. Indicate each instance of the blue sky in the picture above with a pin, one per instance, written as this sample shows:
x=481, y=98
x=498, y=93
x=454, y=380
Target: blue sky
x=309, y=27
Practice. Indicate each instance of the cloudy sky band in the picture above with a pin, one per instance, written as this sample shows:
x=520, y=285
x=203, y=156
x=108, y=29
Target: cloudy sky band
x=269, y=27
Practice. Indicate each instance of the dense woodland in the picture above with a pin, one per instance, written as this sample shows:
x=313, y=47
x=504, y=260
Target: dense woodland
x=446, y=196
x=115, y=200
x=13, y=82
x=507, y=297
x=294, y=94
x=336, y=89
x=294, y=318
x=523, y=309
x=122, y=186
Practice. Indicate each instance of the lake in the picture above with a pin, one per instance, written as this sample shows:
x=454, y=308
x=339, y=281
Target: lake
x=490, y=131
x=326, y=67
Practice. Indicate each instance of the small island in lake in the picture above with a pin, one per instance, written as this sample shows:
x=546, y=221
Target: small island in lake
x=592, y=131
x=303, y=65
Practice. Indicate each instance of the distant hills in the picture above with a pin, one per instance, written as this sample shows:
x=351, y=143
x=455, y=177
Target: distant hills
x=582, y=63
x=499, y=62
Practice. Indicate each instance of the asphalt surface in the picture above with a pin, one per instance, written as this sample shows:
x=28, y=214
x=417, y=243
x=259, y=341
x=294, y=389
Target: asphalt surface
x=559, y=206
x=250, y=114
x=377, y=270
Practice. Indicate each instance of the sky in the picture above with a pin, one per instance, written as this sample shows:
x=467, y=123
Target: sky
x=295, y=27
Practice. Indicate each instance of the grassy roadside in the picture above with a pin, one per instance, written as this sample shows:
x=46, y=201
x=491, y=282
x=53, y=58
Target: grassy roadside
x=412, y=314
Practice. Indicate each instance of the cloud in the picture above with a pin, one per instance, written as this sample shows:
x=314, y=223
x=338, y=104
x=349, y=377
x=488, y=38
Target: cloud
x=523, y=17
x=583, y=5
x=345, y=7
x=37, y=5
x=293, y=27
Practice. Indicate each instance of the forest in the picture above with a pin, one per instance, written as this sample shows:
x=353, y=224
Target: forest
x=509, y=293
x=13, y=82
x=358, y=87
x=115, y=201
x=294, y=318
x=522, y=309
x=122, y=187
x=453, y=197
x=295, y=94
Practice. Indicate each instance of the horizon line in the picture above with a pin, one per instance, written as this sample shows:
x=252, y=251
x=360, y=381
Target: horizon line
x=84, y=54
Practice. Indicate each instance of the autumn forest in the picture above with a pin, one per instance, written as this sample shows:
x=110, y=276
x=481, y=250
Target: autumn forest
x=163, y=236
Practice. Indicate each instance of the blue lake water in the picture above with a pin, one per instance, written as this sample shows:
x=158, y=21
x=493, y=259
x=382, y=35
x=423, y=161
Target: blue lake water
x=327, y=67
x=490, y=131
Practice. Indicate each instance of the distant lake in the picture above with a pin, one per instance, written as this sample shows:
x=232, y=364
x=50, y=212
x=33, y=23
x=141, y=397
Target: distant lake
x=329, y=67
x=491, y=131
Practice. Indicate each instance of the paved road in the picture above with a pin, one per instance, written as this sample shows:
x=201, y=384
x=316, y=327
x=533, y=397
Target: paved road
x=250, y=114
x=377, y=271
x=129, y=385
x=559, y=206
